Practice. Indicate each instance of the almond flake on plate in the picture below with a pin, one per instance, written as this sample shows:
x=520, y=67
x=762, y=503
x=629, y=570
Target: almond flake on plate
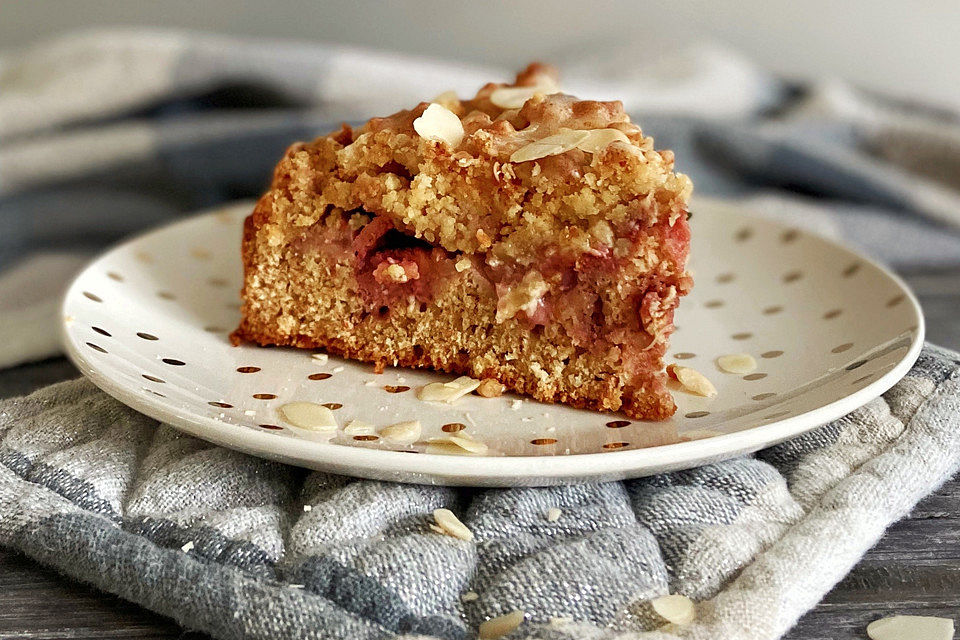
x=560, y=142
x=598, y=139
x=692, y=380
x=737, y=363
x=911, y=628
x=500, y=626
x=451, y=525
x=675, y=608
x=439, y=123
x=448, y=392
x=358, y=428
x=320, y=357
x=406, y=432
x=309, y=415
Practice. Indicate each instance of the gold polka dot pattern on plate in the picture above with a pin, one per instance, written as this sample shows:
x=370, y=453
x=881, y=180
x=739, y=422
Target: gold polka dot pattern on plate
x=366, y=438
x=792, y=276
x=713, y=304
x=272, y=427
x=248, y=369
x=862, y=379
x=173, y=362
x=789, y=236
x=543, y=441
x=222, y=405
x=156, y=393
x=264, y=396
x=762, y=396
x=684, y=355
x=769, y=311
x=771, y=354
x=92, y=296
x=618, y=424
x=153, y=378
x=113, y=275
x=746, y=335
x=333, y=406
x=755, y=376
x=744, y=234
x=778, y=414
x=146, y=336
x=200, y=253
x=697, y=414
x=892, y=302
x=855, y=365
x=217, y=282
x=96, y=347
x=212, y=329
x=102, y=332
x=319, y=376
x=144, y=257
x=453, y=427
x=615, y=445
x=724, y=278
x=166, y=295
x=395, y=389
x=851, y=270
x=833, y=313
x=841, y=348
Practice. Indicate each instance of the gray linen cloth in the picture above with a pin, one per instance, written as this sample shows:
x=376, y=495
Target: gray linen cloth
x=107, y=133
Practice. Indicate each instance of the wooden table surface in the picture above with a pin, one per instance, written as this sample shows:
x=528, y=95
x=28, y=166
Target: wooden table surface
x=914, y=569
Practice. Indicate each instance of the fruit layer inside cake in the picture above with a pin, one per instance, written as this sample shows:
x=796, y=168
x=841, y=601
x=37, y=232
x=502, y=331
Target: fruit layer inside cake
x=523, y=235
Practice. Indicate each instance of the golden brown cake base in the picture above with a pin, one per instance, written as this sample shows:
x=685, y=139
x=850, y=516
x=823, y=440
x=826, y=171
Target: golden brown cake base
x=558, y=276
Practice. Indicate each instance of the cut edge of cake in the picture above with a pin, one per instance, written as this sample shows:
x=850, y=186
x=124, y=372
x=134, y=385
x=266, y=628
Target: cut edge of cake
x=523, y=235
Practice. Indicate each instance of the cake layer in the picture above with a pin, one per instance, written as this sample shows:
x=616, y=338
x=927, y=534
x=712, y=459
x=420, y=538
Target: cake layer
x=522, y=235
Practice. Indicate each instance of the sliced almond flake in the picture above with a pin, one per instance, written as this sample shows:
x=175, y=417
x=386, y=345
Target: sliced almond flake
x=516, y=404
x=515, y=97
x=337, y=369
x=469, y=596
x=309, y=415
x=737, y=363
x=446, y=448
x=406, y=432
x=911, y=628
x=599, y=139
x=451, y=524
x=448, y=392
x=437, y=529
x=447, y=99
x=358, y=428
x=471, y=445
x=187, y=547
x=307, y=507
x=561, y=142
x=553, y=514
x=439, y=123
x=675, y=608
x=500, y=626
x=693, y=381
x=462, y=265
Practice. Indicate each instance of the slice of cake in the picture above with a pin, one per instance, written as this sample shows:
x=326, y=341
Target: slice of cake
x=523, y=235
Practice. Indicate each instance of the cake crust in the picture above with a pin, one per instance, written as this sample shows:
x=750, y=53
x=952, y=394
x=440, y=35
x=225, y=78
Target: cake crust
x=557, y=275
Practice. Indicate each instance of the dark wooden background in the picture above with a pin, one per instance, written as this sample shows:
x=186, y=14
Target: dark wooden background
x=915, y=568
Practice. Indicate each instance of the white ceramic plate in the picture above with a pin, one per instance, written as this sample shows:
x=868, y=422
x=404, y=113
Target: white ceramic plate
x=830, y=330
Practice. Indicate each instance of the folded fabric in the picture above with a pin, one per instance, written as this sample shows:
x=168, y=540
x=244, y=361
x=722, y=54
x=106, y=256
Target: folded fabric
x=104, y=134
x=245, y=548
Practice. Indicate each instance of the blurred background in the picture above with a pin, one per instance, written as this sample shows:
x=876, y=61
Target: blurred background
x=906, y=49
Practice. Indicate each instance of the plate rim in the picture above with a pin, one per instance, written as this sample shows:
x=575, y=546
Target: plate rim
x=502, y=471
